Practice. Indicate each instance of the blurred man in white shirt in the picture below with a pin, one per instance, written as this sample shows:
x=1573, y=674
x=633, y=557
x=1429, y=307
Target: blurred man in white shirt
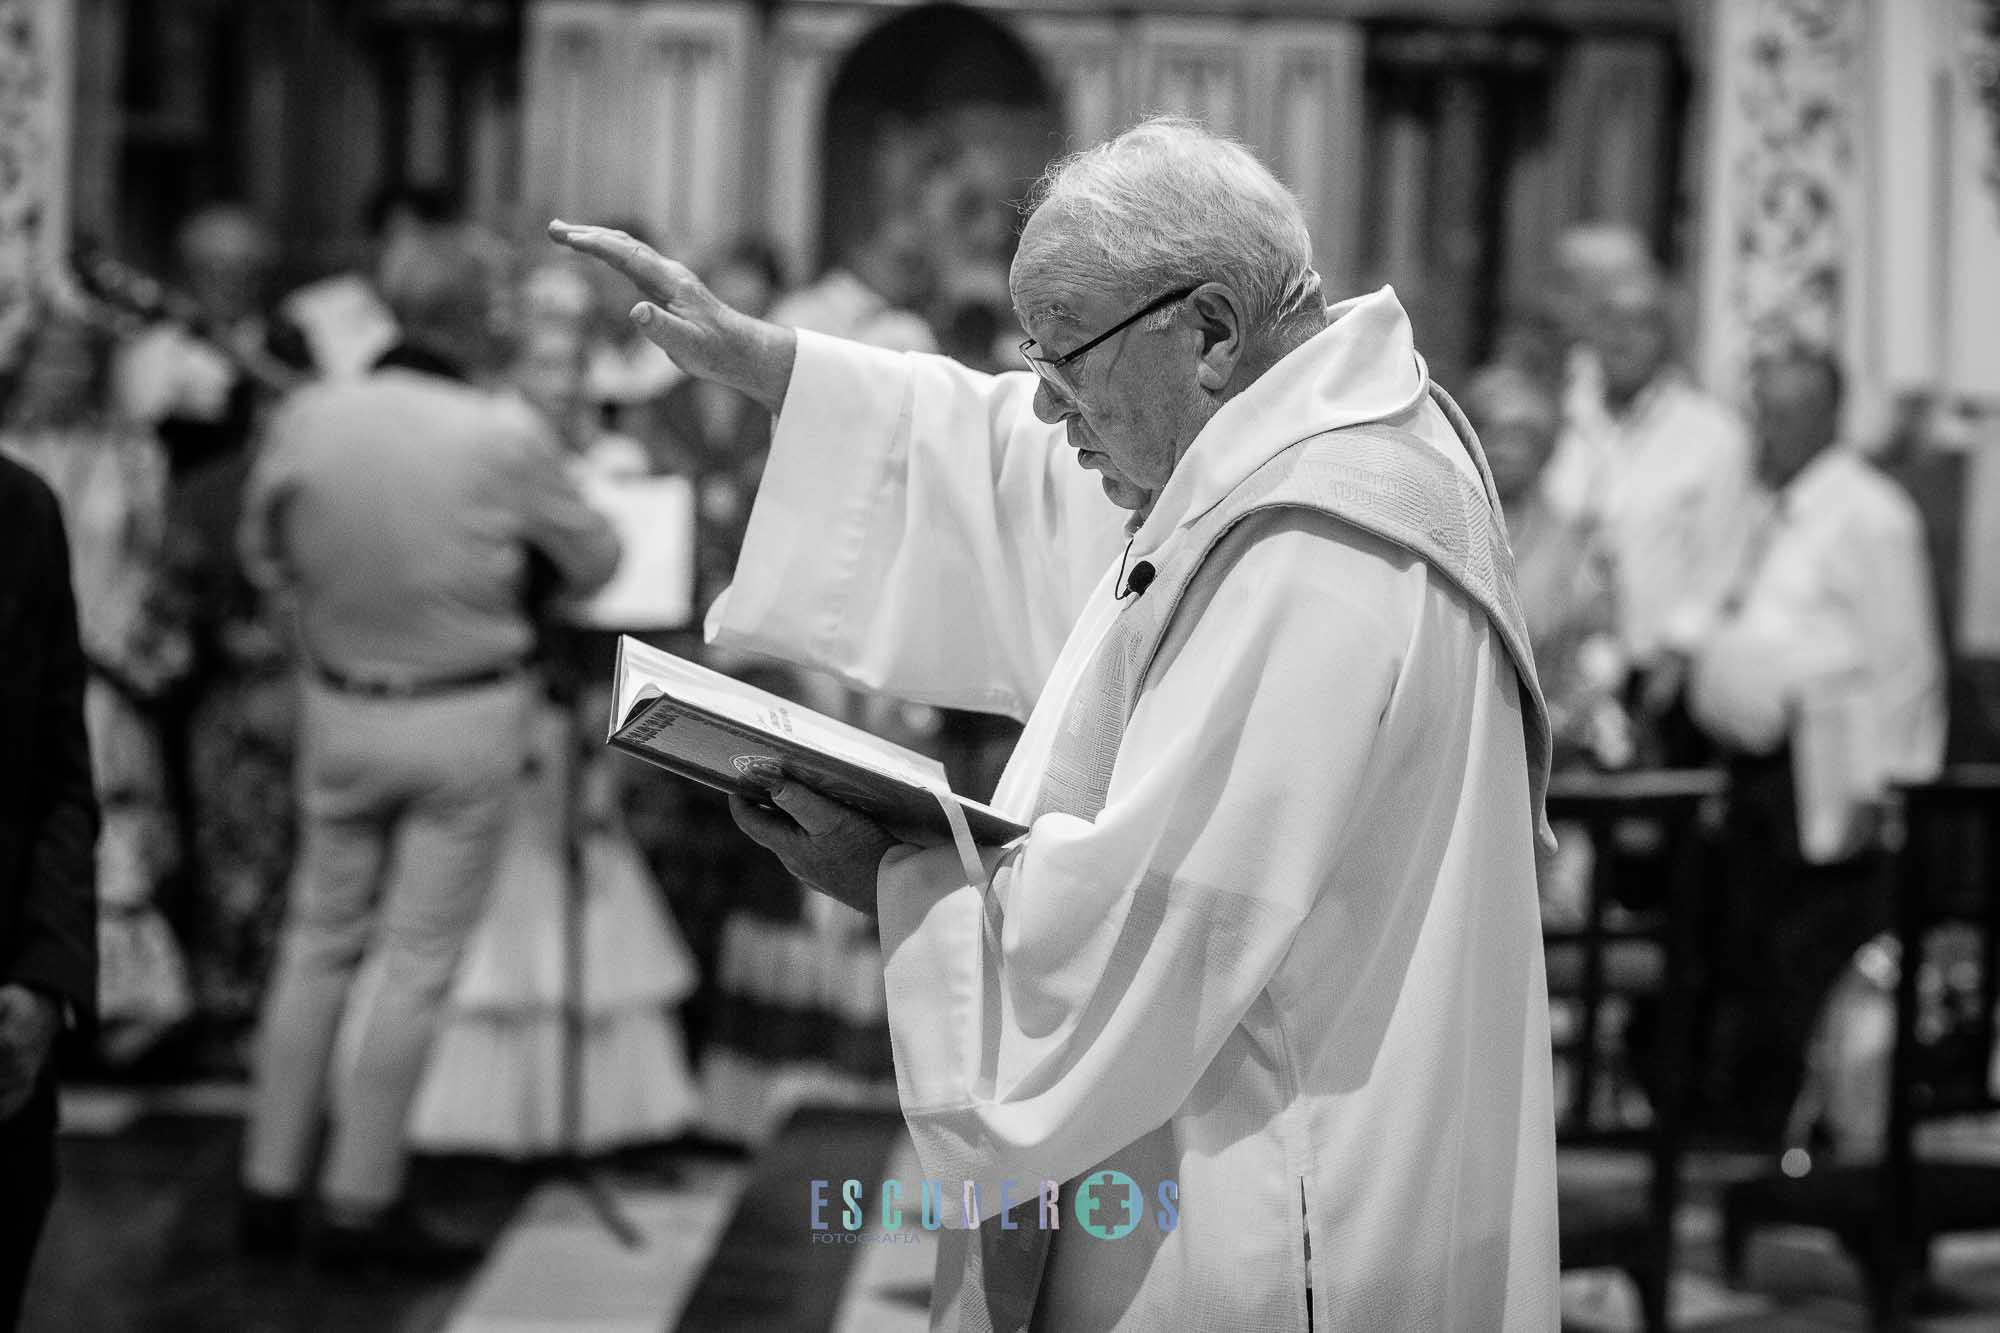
x=397, y=512
x=1823, y=677
x=871, y=296
x=1830, y=642
x=1662, y=468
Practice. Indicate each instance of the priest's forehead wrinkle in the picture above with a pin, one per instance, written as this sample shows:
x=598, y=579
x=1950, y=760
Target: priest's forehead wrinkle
x=1026, y=314
x=1049, y=281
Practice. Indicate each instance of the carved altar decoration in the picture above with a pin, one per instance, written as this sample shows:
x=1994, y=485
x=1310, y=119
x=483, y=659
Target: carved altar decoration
x=1983, y=69
x=33, y=83
x=1792, y=176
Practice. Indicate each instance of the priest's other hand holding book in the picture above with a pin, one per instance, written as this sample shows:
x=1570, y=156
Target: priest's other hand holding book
x=826, y=845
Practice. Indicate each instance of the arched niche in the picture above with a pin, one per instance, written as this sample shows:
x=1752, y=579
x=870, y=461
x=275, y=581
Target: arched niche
x=937, y=122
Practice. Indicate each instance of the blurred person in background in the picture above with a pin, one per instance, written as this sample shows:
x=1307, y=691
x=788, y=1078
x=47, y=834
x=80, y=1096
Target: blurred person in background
x=683, y=838
x=196, y=381
x=873, y=293
x=48, y=824
x=1940, y=450
x=1546, y=331
x=1536, y=338
x=557, y=300
x=110, y=478
x=1570, y=606
x=398, y=513
x=963, y=199
x=548, y=373
x=201, y=385
x=342, y=319
x=551, y=371
x=783, y=950
x=1591, y=258
x=1662, y=470
x=495, y=1080
x=1560, y=569
x=789, y=1008
x=1822, y=679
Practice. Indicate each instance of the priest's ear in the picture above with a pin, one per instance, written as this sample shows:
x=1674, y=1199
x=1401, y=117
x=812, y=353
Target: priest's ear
x=1217, y=315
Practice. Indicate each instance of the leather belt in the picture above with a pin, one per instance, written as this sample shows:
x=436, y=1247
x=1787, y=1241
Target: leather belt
x=384, y=687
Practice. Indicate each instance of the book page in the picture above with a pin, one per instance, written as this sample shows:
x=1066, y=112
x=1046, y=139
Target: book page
x=653, y=587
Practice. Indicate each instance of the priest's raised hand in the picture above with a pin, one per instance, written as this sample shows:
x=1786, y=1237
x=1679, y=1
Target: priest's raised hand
x=705, y=336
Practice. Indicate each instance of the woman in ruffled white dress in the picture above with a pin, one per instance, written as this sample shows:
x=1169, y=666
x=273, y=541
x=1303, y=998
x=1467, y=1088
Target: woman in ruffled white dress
x=496, y=1081
x=496, y=1078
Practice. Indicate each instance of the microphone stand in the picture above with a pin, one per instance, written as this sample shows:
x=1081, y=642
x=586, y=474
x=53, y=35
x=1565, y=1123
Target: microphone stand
x=572, y=1162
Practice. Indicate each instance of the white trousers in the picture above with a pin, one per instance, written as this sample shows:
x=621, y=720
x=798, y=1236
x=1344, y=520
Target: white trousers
x=403, y=804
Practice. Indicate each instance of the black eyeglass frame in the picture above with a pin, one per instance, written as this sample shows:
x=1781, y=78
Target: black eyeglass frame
x=1050, y=368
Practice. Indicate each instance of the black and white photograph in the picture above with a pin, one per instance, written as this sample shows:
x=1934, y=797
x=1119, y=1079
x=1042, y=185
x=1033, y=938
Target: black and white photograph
x=999, y=666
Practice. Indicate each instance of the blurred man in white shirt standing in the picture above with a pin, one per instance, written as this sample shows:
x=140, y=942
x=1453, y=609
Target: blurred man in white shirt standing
x=398, y=512
x=1823, y=677
x=1662, y=468
x=1830, y=642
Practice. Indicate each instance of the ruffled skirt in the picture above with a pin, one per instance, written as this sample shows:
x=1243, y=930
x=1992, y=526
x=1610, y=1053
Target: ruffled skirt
x=496, y=1079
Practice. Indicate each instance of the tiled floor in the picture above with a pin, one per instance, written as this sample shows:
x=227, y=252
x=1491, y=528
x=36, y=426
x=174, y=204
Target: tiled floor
x=559, y=1267
x=140, y=1241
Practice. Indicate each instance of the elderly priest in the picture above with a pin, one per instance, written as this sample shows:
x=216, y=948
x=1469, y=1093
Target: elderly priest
x=1270, y=950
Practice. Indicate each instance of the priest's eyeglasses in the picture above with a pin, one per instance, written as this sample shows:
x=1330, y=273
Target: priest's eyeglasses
x=1054, y=369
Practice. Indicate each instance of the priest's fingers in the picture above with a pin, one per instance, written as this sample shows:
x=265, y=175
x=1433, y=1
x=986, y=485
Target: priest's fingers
x=840, y=860
x=683, y=318
x=654, y=274
x=680, y=316
x=767, y=827
x=816, y=814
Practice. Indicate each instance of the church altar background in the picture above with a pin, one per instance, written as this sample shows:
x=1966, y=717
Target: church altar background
x=1820, y=167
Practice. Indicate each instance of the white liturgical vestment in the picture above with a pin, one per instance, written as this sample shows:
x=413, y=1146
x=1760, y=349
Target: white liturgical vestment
x=1293, y=967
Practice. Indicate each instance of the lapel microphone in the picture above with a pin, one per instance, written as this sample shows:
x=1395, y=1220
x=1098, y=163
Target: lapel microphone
x=1140, y=580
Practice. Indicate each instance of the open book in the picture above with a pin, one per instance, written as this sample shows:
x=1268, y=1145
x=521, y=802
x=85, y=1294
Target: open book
x=703, y=725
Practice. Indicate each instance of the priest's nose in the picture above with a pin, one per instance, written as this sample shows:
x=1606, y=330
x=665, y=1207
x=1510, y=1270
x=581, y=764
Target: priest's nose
x=1052, y=407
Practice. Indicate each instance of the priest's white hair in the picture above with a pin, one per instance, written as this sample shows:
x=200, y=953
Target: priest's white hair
x=1170, y=203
